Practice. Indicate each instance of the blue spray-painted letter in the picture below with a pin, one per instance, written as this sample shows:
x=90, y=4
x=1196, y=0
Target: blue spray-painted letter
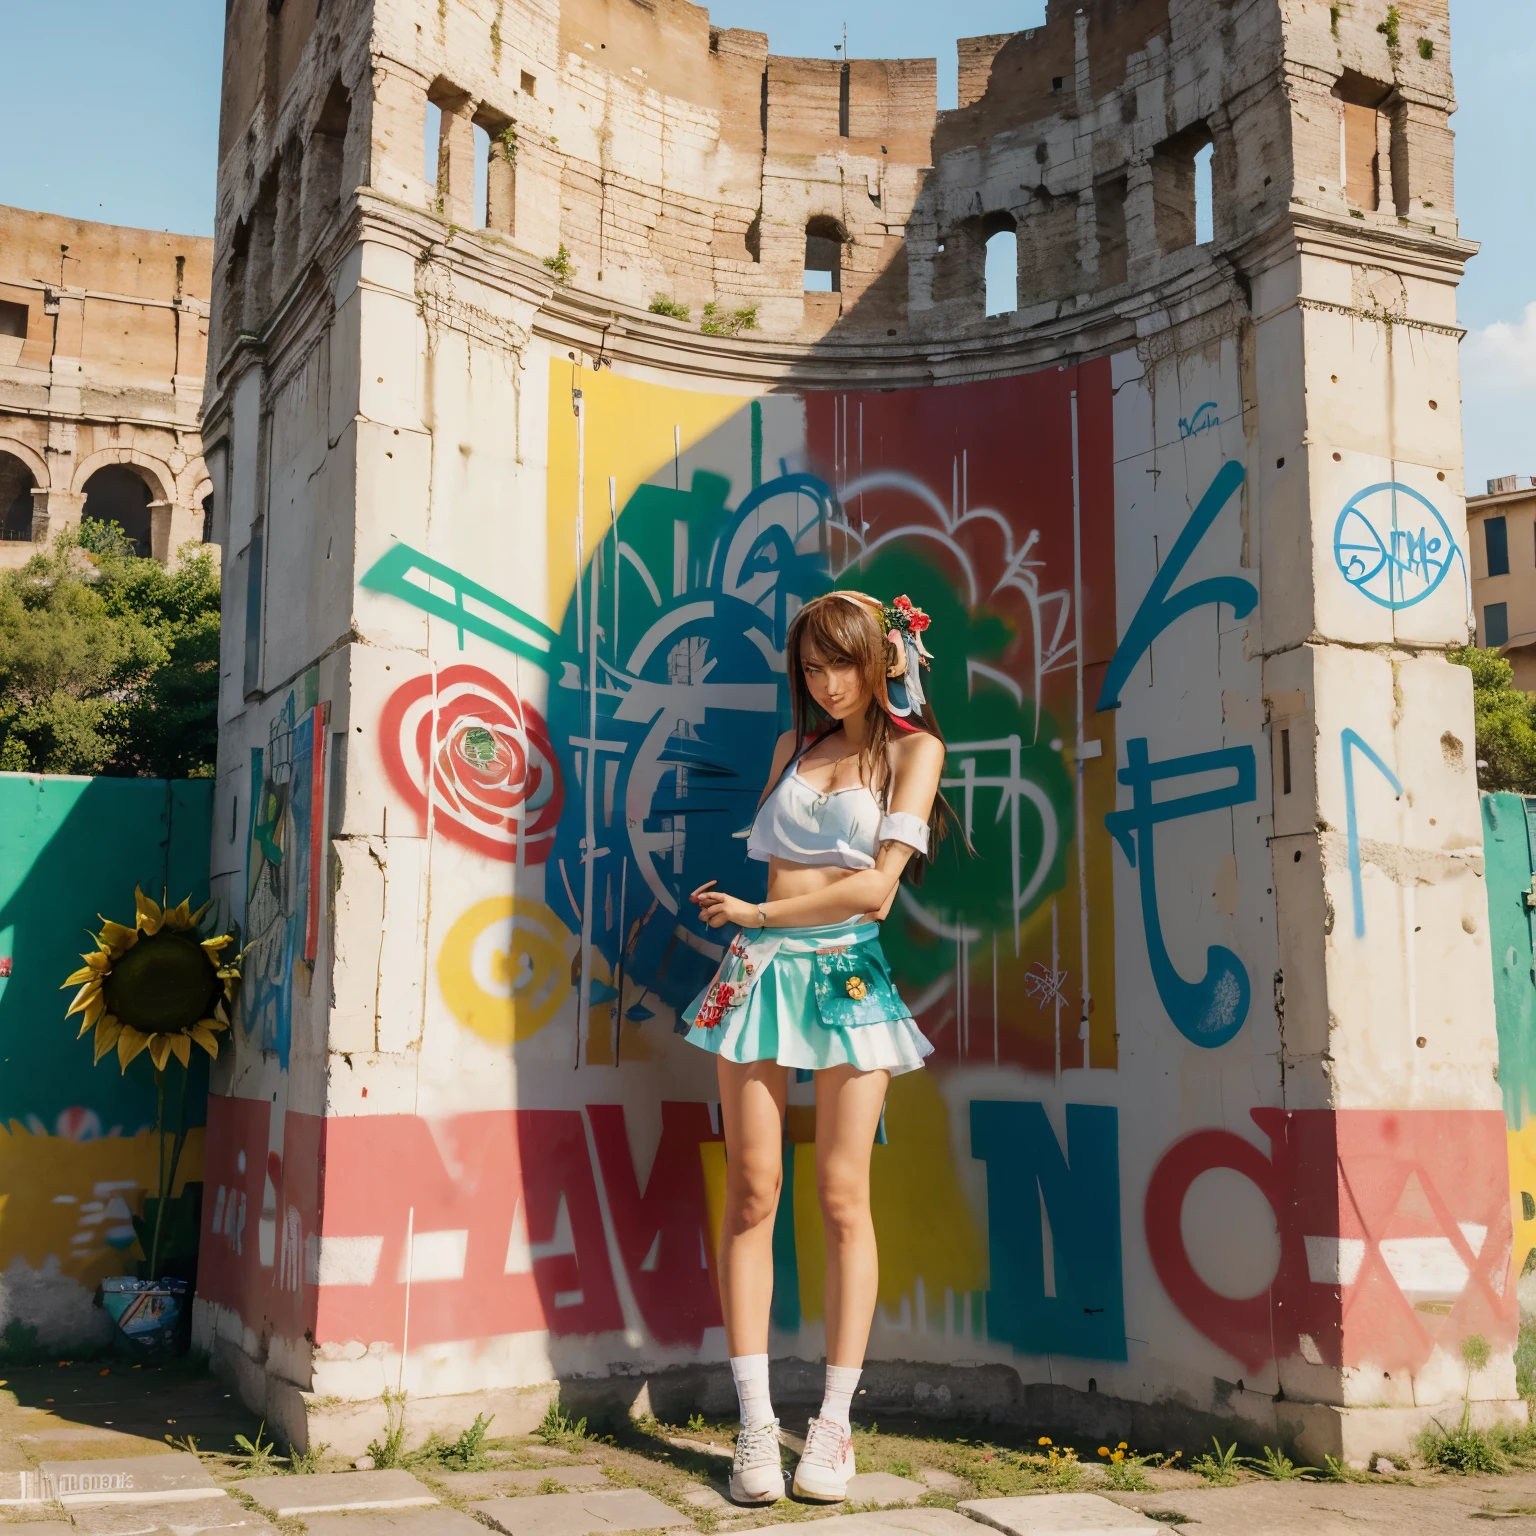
x=1158, y=610
x=1210, y=1011
x=1075, y=1303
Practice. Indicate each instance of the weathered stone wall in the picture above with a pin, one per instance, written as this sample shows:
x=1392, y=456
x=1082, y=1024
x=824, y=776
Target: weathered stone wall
x=103, y=333
x=1212, y=1134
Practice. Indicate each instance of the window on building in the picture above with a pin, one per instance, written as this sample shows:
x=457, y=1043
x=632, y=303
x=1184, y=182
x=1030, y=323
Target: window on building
x=1496, y=542
x=1205, y=196
x=118, y=494
x=432, y=144
x=1365, y=131
x=823, y=256
x=1496, y=624
x=1002, y=271
x=1182, y=189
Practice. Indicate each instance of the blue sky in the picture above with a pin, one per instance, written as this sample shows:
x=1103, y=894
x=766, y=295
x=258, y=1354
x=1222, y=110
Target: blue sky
x=128, y=135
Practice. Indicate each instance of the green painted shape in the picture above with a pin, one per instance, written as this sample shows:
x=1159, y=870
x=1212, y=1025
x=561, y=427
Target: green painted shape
x=473, y=609
x=71, y=849
x=1508, y=865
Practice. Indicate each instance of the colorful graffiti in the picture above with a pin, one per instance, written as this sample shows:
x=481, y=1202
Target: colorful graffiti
x=474, y=763
x=1394, y=1236
x=1393, y=546
x=1511, y=877
x=570, y=743
x=77, y=1149
x=284, y=867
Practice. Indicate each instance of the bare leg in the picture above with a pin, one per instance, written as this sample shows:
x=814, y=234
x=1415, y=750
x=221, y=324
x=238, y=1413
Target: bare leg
x=752, y=1107
x=848, y=1104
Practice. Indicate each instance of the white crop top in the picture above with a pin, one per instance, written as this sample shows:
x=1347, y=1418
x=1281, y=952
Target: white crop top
x=841, y=827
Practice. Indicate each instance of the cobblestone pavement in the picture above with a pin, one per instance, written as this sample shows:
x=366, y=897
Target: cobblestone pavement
x=108, y=1448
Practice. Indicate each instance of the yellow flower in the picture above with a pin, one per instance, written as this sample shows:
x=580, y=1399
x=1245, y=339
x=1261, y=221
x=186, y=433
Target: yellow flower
x=1103, y=1450
x=1045, y=1439
x=1124, y=1446
x=156, y=986
x=856, y=990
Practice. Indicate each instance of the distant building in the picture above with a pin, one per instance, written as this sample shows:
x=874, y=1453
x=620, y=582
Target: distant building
x=1501, y=529
x=103, y=340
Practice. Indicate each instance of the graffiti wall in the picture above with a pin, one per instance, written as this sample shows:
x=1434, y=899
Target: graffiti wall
x=77, y=1146
x=1100, y=1180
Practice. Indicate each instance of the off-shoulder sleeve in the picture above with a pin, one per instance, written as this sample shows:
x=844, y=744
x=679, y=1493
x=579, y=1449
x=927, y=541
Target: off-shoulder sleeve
x=903, y=827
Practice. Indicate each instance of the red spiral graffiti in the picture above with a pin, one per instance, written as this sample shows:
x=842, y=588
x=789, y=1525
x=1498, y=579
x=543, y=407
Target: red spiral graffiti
x=495, y=785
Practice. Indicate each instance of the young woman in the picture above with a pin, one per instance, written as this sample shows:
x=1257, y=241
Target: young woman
x=852, y=799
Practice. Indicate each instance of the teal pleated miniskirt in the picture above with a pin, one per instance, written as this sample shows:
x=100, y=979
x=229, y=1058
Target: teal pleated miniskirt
x=808, y=998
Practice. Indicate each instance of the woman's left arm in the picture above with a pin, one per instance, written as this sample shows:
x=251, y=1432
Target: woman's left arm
x=918, y=766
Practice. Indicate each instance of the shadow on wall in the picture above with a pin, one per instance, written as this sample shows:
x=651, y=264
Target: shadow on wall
x=77, y=1150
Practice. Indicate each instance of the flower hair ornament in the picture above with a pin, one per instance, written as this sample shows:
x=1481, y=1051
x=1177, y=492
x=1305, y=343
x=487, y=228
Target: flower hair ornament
x=904, y=624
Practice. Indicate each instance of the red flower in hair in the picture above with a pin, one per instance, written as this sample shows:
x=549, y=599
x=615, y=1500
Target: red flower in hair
x=903, y=602
x=920, y=621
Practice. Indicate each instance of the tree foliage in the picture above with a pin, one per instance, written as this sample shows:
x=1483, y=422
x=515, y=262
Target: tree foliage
x=1506, y=722
x=109, y=663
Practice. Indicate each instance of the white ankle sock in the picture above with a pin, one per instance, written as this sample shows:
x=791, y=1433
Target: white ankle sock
x=750, y=1373
x=842, y=1382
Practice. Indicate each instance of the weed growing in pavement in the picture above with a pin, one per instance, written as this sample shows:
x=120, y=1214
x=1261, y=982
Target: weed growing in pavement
x=1220, y=1468
x=696, y=1423
x=300, y=1462
x=558, y=1428
x=1336, y=1470
x=1124, y=1468
x=1468, y=1451
x=466, y=1454
x=261, y=1455
x=386, y=1452
x=1277, y=1466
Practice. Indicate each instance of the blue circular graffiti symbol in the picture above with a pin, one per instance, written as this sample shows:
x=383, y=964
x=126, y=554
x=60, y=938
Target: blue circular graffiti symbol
x=1395, y=555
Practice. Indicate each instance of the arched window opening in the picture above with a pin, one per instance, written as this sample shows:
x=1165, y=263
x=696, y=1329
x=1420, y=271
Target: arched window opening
x=1002, y=264
x=1205, y=196
x=118, y=494
x=326, y=182
x=823, y=256
x=16, y=485
x=432, y=144
x=482, y=140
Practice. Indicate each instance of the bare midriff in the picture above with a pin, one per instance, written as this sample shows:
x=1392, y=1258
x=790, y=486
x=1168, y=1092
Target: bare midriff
x=787, y=880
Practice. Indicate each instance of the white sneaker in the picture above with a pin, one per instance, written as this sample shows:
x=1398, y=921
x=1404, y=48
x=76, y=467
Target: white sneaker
x=826, y=1464
x=757, y=1473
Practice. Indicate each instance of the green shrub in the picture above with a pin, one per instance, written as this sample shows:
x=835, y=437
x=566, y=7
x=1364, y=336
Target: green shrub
x=672, y=308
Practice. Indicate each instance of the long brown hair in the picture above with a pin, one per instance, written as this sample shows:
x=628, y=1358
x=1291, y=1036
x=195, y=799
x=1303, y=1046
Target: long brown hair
x=848, y=629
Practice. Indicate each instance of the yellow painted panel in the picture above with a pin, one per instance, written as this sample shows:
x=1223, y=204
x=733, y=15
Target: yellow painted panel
x=58, y=1191
x=629, y=433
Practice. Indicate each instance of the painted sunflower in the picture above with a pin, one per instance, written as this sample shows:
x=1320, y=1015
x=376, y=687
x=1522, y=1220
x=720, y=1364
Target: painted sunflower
x=158, y=986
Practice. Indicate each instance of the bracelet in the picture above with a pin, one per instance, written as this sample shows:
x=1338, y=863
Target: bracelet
x=762, y=913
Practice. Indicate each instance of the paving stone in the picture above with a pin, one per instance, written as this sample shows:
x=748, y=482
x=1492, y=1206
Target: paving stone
x=883, y=1488
x=331, y=1492
x=1056, y=1514
x=709, y=1498
x=129, y=1479
x=702, y=1447
x=435, y=1521
x=18, y=1488
x=942, y=1482
x=59, y=1527
x=898, y=1522
x=488, y=1485
x=580, y=1514
x=183, y=1517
